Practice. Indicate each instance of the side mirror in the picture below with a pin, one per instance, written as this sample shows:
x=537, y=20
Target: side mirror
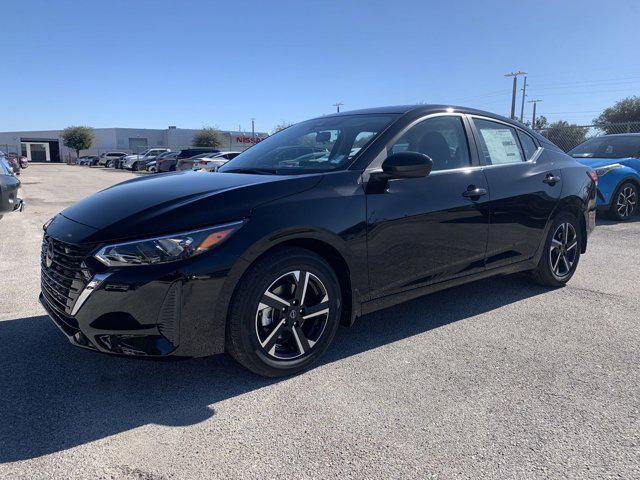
x=407, y=165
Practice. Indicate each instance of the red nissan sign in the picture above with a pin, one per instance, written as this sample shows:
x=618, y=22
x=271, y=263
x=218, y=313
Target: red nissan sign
x=248, y=139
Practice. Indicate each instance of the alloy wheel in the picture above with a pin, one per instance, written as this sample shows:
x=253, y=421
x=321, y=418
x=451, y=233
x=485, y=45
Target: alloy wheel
x=626, y=202
x=564, y=250
x=292, y=315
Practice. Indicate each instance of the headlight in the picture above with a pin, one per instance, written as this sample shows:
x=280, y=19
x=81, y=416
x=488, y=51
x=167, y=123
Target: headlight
x=47, y=223
x=167, y=248
x=604, y=170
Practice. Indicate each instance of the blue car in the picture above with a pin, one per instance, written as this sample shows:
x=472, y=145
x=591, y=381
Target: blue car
x=616, y=160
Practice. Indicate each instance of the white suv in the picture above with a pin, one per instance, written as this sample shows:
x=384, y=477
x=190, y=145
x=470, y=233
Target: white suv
x=134, y=162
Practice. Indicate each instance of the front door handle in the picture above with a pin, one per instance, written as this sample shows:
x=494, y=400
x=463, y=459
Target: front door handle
x=474, y=192
x=551, y=179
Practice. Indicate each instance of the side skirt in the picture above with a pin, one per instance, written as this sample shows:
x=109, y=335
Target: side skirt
x=397, y=298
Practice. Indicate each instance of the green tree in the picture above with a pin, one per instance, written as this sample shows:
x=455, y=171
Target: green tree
x=78, y=138
x=565, y=135
x=281, y=126
x=625, y=111
x=207, y=137
x=541, y=123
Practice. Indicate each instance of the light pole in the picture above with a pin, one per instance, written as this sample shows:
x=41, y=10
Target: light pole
x=253, y=128
x=515, y=87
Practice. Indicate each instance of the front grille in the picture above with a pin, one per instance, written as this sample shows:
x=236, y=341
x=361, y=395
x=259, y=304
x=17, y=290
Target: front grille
x=63, y=280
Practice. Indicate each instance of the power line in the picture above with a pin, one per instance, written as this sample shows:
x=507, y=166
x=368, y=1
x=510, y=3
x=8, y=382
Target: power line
x=590, y=82
x=588, y=70
x=570, y=113
x=587, y=92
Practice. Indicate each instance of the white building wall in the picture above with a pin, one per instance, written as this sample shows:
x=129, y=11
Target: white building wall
x=119, y=139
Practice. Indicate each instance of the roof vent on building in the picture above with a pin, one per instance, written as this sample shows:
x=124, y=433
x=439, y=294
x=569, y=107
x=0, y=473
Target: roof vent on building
x=172, y=127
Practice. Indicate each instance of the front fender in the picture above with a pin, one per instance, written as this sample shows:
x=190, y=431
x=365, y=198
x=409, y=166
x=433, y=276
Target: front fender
x=317, y=215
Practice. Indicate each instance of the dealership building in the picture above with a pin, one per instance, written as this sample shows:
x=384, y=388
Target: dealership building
x=47, y=146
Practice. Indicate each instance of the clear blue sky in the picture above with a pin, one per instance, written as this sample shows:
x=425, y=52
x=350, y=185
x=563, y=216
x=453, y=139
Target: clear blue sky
x=193, y=63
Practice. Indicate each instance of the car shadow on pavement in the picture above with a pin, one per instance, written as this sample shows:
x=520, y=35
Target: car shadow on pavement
x=600, y=221
x=54, y=396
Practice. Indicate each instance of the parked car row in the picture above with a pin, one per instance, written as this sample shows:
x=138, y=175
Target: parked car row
x=160, y=160
x=16, y=162
x=9, y=185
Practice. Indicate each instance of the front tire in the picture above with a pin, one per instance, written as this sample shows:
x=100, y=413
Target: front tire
x=135, y=167
x=624, y=202
x=284, y=314
x=561, y=252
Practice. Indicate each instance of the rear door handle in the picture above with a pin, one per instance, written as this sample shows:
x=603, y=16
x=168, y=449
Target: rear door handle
x=551, y=179
x=474, y=192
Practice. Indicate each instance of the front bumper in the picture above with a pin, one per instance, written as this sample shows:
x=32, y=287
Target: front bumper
x=150, y=311
x=110, y=318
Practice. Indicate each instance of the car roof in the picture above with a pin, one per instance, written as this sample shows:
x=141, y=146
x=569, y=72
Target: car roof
x=426, y=109
x=423, y=110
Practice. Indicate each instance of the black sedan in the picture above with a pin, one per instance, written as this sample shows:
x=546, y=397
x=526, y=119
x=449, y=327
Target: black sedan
x=9, y=186
x=266, y=258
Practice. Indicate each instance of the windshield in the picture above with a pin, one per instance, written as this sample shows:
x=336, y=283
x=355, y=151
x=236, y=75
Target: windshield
x=320, y=145
x=608, y=147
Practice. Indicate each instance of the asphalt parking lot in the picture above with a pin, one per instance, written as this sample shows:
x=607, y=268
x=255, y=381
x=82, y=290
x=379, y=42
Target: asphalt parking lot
x=496, y=379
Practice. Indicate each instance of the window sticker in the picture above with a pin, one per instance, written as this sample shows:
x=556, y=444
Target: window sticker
x=501, y=145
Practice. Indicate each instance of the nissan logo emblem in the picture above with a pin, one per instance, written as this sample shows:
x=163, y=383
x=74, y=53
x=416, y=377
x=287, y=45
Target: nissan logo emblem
x=48, y=259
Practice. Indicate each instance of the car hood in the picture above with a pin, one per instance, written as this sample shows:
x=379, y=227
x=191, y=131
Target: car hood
x=174, y=202
x=597, y=162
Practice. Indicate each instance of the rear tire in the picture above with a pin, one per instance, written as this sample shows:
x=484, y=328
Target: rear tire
x=624, y=202
x=561, y=252
x=279, y=339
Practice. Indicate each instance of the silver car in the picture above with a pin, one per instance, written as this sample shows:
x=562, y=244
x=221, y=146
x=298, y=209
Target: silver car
x=214, y=161
x=135, y=162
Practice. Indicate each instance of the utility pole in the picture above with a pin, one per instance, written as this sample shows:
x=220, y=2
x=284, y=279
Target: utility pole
x=515, y=88
x=533, y=119
x=338, y=105
x=253, y=128
x=524, y=94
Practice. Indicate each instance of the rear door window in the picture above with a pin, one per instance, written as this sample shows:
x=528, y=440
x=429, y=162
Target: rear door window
x=528, y=145
x=499, y=142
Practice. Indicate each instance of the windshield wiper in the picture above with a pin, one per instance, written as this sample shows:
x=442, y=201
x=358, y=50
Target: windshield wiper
x=257, y=171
